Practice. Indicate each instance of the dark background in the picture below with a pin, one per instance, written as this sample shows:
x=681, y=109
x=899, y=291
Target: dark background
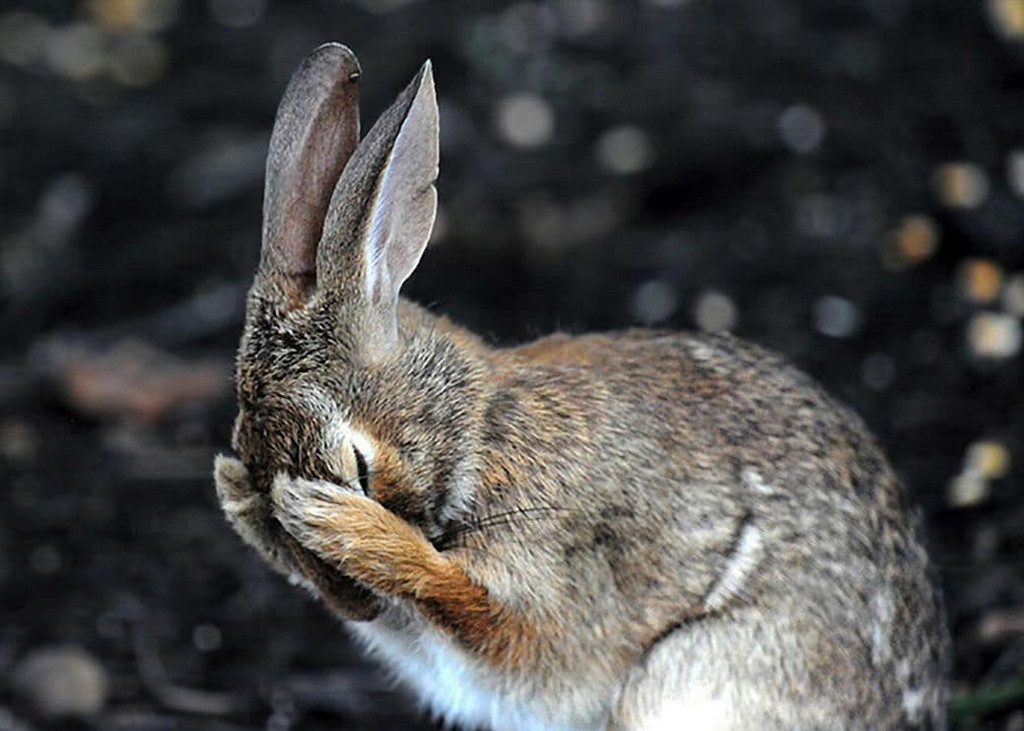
x=840, y=180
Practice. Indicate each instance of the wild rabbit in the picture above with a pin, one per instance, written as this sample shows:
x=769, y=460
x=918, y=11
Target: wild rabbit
x=638, y=530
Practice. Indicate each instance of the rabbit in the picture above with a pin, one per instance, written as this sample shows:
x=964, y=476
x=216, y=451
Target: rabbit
x=633, y=530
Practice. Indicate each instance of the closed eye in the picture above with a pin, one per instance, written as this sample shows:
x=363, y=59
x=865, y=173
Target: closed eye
x=362, y=471
x=354, y=461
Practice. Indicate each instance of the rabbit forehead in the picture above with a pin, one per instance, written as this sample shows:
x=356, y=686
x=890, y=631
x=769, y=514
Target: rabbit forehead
x=275, y=333
x=284, y=424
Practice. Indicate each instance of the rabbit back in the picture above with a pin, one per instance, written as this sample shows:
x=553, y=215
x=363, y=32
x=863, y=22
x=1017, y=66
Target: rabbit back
x=721, y=479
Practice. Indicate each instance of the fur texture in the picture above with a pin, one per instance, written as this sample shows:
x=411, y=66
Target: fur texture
x=638, y=530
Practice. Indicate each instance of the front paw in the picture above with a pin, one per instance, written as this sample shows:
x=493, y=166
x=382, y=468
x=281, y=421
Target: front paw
x=312, y=511
x=245, y=508
x=249, y=513
x=234, y=488
x=358, y=536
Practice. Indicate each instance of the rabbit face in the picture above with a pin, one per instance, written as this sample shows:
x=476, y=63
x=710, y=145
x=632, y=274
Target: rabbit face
x=314, y=404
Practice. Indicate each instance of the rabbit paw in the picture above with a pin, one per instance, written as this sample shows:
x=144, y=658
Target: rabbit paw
x=234, y=489
x=249, y=512
x=358, y=536
x=372, y=546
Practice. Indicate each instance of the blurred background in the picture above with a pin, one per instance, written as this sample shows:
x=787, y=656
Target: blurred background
x=842, y=180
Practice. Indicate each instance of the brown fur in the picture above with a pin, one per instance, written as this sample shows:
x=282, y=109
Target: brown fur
x=602, y=526
x=379, y=550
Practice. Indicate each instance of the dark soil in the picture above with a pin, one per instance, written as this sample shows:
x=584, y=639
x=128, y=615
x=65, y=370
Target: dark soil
x=840, y=180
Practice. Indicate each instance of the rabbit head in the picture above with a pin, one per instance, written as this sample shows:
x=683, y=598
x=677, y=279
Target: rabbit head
x=335, y=380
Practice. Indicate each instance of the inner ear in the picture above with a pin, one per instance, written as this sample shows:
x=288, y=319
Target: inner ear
x=406, y=203
x=383, y=209
x=315, y=132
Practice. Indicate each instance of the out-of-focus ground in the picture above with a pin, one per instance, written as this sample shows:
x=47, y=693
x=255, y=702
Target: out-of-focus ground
x=840, y=180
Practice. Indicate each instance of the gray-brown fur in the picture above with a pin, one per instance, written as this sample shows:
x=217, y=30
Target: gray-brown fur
x=598, y=530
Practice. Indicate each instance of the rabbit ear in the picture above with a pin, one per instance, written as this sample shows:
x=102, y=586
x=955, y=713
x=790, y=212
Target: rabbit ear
x=383, y=209
x=315, y=133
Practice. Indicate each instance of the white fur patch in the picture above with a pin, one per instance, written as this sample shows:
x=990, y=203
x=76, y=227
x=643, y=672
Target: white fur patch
x=913, y=704
x=362, y=442
x=699, y=708
x=753, y=480
x=450, y=683
x=882, y=612
x=742, y=562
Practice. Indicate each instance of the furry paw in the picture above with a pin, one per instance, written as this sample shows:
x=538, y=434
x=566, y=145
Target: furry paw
x=234, y=489
x=249, y=513
x=353, y=533
x=307, y=509
x=252, y=515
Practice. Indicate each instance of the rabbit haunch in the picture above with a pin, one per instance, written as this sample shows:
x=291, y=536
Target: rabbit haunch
x=622, y=531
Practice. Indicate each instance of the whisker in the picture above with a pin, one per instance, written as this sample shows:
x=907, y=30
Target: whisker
x=510, y=517
x=517, y=511
x=476, y=524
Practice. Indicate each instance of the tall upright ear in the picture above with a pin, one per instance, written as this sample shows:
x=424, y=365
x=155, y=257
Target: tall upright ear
x=315, y=133
x=383, y=209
